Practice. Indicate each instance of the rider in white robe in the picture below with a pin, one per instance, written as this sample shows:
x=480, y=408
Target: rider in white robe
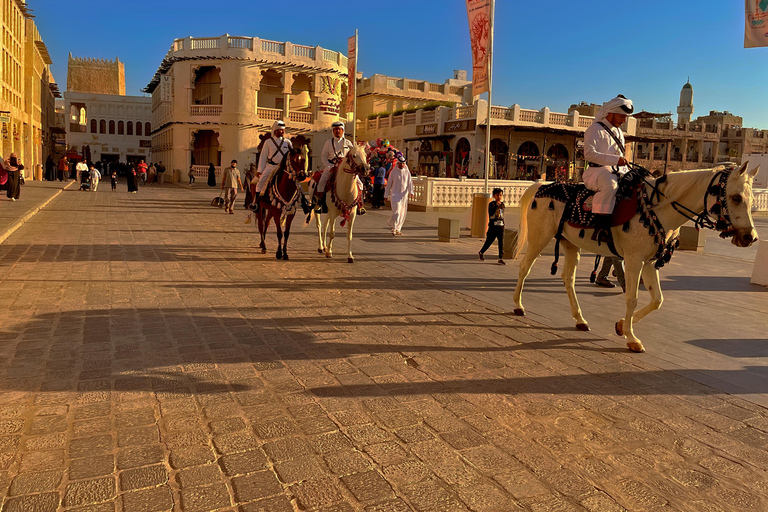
x=274, y=150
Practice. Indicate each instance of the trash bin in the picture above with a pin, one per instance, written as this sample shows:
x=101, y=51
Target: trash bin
x=479, y=214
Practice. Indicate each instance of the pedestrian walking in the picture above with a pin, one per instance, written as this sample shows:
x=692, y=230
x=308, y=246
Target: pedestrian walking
x=133, y=180
x=191, y=174
x=399, y=189
x=160, y=169
x=230, y=183
x=81, y=166
x=50, y=169
x=495, y=225
x=95, y=177
x=602, y=276
x=379, y=182
x=250, y=177
x=211, y=175
x=142, y=168
x=62, y=168
x=14, y=169
x=151, y=173
x=114, y=180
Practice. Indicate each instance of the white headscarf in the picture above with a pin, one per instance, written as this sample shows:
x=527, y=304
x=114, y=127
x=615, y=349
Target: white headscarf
x=618, y=105
x=279, y=124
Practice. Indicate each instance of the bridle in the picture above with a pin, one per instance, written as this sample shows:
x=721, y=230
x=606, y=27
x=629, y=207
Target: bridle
x=352, y=166
x=719, y=210
x=295, y=175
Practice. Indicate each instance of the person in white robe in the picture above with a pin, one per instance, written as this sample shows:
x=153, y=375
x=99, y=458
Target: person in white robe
x=399, y=189
x=274, y=150
x=604, y=153
x=334, y=150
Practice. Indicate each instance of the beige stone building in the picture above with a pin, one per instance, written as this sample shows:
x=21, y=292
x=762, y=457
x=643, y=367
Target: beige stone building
x=28, y=89
x=213, y=98
x=97, y=76
x=385, y=94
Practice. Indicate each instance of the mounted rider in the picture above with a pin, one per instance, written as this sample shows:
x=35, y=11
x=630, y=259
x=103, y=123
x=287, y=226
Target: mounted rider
x=604, y=153
x=334, y=151
x=273, y=152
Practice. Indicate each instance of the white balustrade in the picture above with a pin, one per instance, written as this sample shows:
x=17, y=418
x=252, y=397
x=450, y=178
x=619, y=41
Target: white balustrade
x=272, y=114
x=760, y=203
x=410, y=118
x=585, y=122
x=397, y=120
x=455, y=193
x=428, y=116
x=530, y=116
x=300, y=117
x=206, y=43
x=240, y=42
x=272, y=47
x=559, y=119
x=465, y=112
x=304, y=51
x=205, y=110
x=501, y=113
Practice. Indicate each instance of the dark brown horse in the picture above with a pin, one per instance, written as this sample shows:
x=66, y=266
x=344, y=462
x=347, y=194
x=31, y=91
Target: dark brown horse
x=281, y=198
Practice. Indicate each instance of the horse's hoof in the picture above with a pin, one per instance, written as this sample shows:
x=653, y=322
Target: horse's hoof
x=320, y=251
x=582, y=327
x=328, y=255
x=519, y=312
x=619, y=327
x=350, y=260
x=635, y=346
x=285, y=256
x=263, y=251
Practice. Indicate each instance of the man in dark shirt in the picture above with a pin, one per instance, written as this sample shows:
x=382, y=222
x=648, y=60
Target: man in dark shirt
x=378, y=187
x=495, y=225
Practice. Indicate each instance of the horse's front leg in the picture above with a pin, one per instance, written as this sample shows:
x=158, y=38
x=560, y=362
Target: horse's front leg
x=279, y=229
x=352, y=216
x=287, y=232
x=632, y=269
x=262, y=230
x=320, y=233
x=651, y=280
x=330, y=228
x=571, y=261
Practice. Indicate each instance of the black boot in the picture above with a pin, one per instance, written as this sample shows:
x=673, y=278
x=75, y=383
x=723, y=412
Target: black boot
x=602, y=231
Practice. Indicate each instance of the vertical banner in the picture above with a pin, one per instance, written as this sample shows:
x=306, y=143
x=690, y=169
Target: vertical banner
x=479, y=15
x=166, y=88
x=352, y=72
x=756, y=26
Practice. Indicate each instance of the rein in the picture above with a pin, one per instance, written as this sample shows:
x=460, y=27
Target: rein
x=344, y=208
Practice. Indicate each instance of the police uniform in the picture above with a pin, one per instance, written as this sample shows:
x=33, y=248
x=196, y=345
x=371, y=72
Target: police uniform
x=274, y=150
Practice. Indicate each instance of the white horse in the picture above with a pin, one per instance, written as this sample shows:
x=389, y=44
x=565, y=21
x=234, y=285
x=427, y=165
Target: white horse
x=725, y=194
x=342, y=197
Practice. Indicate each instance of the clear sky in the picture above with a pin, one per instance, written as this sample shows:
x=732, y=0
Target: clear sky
x=546, y=54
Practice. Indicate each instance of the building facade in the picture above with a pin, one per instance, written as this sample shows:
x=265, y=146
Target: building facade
x=215, y=99
x=28, y=89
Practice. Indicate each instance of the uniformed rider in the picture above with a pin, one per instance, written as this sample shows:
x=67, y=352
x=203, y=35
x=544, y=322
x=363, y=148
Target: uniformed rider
x=604, y=153
x=274, y=150
x=334, y=150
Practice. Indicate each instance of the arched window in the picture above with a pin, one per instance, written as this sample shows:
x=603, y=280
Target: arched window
x=147, y=128
x=138, y=129
x=102, y=126
x=120, y=128
x=499, y=150
x=83, y=121
x=129, y=128
x=462, y=156
x=93, y=126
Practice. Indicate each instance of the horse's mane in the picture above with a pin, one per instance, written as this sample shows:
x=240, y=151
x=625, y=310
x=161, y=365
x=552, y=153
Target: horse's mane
x=678, y=182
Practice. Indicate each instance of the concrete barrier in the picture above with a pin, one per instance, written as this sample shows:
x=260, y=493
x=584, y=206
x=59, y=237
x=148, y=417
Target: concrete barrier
x=448, y=229
x=760, y=270
x=691, y=239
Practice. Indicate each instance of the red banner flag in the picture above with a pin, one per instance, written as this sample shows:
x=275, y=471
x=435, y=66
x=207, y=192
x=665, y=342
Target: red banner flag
x=479, y=15
x=352, y=73
x=756, y=27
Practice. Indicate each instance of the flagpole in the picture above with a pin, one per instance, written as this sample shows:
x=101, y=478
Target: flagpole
x=354, y=98
x=490, y=87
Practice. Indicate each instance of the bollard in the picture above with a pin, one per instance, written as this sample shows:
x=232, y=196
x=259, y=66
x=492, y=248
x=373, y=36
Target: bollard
x=447, y=229
x=479, y=215
x=760, y=269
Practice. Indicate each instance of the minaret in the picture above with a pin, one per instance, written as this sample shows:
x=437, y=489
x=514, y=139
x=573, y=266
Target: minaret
x=685, y=110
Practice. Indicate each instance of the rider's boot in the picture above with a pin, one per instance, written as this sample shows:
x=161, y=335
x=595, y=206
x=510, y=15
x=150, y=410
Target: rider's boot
x=602, y=231
x=360, y=209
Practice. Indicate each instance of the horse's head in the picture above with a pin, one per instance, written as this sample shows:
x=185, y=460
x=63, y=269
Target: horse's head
x=357, y=161
x=298, y=162
x=737, y=214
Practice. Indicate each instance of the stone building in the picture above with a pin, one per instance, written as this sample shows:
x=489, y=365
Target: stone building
x=27, y=101
x=106, y=126
x=385, y=94
x=697, y=144
x=213, y=99
x=97, y=76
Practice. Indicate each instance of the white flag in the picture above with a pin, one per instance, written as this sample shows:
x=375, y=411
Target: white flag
x=756, y=26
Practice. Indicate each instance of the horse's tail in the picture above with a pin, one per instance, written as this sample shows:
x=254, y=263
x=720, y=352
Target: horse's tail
x=525, y=206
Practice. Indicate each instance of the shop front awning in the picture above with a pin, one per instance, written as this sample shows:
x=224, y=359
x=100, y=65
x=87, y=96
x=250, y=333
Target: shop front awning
x=429, y=137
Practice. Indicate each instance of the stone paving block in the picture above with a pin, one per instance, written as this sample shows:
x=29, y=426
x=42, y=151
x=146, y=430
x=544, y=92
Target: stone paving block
x=198, y=476
x=288, y=448
x=242, y=463
x=31, y=483
x=91, y=467
x=297, y=470
x=236, y=442
x=41, y=461
x=88, y=492
x=128, y=458
x=385, y=454
x=138, y=418
x=47, y=502
x=158, y=499
x=191, y=456
x=204, y=499
x=430, y=495
x=397, y=505
x=46, y=442
x=138, y=436
x=318, y=492
x=147, y=476
x=227, y=426
x=274, y=504
x=186, y=439
x=255, y=486
x=368, y=486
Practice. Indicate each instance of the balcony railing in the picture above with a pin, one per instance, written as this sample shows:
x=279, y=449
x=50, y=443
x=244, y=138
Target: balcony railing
x=205, y=110
x=300, y=117
x=206, y=43
x=410, y=118
x=465, y=112
x=559, y=119
x=304, y=51
x=240, y=42
x=272, y=47
x=530, y=116
x=272, y=114
x=428, y=117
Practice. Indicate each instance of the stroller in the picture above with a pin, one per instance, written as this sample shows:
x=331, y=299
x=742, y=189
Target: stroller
x=85, y=180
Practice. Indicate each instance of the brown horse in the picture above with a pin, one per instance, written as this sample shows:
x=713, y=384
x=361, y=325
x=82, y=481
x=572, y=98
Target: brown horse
x=281, y=198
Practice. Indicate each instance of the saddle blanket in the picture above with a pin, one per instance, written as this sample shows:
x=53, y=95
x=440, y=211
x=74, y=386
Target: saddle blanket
x=578, y=201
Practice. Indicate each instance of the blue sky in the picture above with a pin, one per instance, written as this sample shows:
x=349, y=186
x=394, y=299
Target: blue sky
x=551, y=54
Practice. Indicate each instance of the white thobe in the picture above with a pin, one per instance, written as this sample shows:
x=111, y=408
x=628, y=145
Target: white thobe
x=272, y=153
x=601, y=149
x=399, y=187
x=79, y=168
x=334, y=148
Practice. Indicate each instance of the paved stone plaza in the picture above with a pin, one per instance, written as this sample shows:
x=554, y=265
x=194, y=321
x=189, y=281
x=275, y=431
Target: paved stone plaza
x=151, y=360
